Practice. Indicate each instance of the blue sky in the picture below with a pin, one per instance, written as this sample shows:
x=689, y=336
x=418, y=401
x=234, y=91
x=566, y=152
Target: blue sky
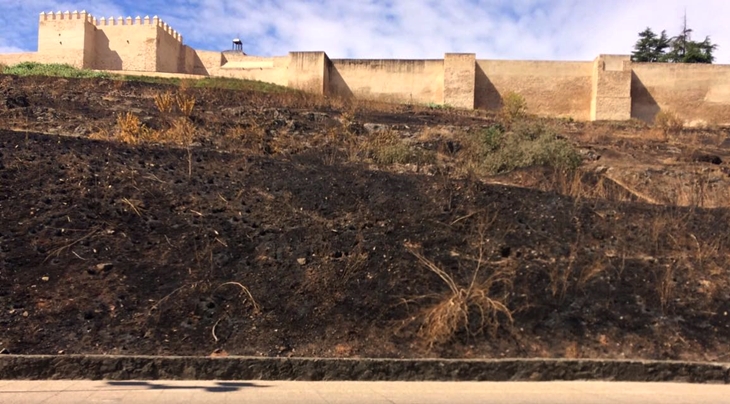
x=493, y=29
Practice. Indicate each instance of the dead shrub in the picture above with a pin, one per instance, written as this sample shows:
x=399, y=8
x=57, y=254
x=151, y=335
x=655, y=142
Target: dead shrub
x=668, y=122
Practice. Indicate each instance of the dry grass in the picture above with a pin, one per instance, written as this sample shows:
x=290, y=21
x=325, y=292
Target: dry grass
x=480, y=305
x=186, y=84
x=691, y=187
x=129, y=128
x=244, y=290
x=668, y=122
x=164, y=102
x=181, y=132
x=185, y=104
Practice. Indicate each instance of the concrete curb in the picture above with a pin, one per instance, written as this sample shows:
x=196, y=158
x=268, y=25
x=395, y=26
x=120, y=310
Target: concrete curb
x=96, y=367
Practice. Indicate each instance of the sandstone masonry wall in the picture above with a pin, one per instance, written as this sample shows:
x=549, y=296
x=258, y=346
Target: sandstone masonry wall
x=561, y=89
x=411, y=81
x=699, y=94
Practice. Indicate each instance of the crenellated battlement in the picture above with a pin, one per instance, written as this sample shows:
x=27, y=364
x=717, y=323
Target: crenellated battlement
x=111, y=21
x=67, y=15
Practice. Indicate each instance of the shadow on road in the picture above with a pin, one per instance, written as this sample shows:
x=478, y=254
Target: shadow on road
x=220, y=387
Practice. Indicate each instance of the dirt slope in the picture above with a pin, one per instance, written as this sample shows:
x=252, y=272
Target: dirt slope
x=112, y=248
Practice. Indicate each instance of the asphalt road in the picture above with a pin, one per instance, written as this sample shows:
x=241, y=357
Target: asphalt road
x=144, y=392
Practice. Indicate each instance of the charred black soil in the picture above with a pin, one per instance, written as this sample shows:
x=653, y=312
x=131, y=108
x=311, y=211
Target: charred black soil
x=291, y=249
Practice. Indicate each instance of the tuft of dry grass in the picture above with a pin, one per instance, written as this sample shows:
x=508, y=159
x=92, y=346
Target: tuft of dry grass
x=455, y=309
x=181, y=132
x=129, y=128
x=185, y=104
x=164, y=102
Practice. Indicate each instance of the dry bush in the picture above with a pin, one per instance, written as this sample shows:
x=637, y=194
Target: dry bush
x=668, y=122
x=455, y=309
x=586, y=185
x=164, y=102
x=514, y=107
x=3, y=66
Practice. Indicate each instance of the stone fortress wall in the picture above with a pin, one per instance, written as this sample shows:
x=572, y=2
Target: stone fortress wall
x=611, y=87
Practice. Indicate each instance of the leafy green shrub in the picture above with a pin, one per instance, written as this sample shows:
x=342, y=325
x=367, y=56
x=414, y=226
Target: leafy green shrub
x=52, y=69
x=527, y=144
x=490, y=139
x=388, y=148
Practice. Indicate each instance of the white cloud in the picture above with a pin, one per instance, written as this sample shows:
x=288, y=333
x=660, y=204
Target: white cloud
x=9, y=49
x=503, y=29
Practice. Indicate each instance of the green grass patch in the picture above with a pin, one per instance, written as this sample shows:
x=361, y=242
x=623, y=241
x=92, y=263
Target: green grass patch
x=65, y=70
x=209, y=82
x=52, y=70
x=238, y=84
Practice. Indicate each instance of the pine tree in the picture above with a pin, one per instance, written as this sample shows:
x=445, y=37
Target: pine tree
x=682, y=49
x=685, y=50
x=649, y=47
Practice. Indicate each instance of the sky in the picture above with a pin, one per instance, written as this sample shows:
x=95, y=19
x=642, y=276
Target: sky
x=400, y=29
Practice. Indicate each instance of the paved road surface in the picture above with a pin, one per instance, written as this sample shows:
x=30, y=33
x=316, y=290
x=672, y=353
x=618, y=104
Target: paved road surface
x=269, y=392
